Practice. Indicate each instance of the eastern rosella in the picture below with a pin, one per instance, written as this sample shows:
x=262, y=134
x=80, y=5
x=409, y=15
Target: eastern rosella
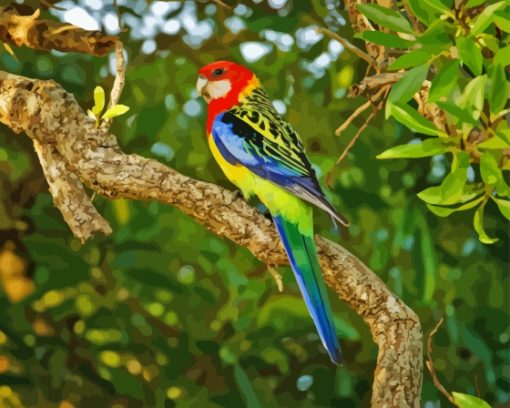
x=262, y=155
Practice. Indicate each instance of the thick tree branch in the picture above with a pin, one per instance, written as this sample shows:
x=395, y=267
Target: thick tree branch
x=50, y=35
x=68, y=194
x=49, y=115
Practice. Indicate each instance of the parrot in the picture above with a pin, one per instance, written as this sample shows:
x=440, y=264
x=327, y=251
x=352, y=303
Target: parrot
x=262, y=155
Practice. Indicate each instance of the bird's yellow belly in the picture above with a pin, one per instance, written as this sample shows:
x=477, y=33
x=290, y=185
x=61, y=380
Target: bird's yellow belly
x=277, y=200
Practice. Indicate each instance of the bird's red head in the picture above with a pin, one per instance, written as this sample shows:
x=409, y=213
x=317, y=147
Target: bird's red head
x=221, y=82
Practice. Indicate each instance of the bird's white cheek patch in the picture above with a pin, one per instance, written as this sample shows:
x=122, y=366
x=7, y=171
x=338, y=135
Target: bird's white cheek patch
x=218, y=89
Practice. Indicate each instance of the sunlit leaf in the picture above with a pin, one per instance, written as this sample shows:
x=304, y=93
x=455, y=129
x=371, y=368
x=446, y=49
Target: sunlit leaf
x=459, y=114
x=468, y=401
x=427, y=148
x=410, y=59
x=473, y=96
x=502, y=57
x=385, y=39
x=502, y=21
x=412, y=119
x=503, y=134
x=489, y=169
x=453, y=189
x=444, y=81
x=492, y=175
x=504, y=206
x=421, y=11
x=91, y=114
x=447, y=211
x=99, y=98
x=473, y=3
x=494, y=143
x=482, y=235
x=486, y=17
x=409, y=84
x=436, y=5
x=470, y=54
x=386, y=17
x=114, y=111
x=498, y=94
x=437, y=37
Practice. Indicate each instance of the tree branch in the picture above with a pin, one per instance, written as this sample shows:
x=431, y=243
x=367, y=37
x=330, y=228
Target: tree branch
x=68, y=194
x=50, y=115
x=50, y=35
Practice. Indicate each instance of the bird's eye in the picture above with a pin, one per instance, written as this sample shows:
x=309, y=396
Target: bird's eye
x=218, y=72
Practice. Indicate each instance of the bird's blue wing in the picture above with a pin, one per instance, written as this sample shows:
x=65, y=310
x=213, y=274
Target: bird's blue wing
x=271, y=150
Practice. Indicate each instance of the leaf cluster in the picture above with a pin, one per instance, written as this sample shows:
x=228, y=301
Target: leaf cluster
x=456, y=55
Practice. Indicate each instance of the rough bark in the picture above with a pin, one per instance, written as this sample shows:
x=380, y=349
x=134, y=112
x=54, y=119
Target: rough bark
x=62, y=132
x=48, y=35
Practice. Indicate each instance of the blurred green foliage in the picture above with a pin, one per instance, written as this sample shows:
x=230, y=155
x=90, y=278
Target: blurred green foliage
x=162, y=313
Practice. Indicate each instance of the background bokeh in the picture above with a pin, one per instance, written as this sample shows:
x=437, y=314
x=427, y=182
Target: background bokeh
x=162, y=312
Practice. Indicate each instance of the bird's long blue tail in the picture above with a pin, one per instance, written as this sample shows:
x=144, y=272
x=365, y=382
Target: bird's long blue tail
x=303, y=258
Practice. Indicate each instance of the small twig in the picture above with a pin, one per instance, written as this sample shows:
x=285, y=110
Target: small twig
x=221, y=4
x=430, y=364
x=10, y=51
x=119, y=82
x=49, y=5
x=414, y=21
x=377, y=108
x=353, y=116
x=373, y=83
x=329, y=177
x=346, y=44
x=477, y=386
x=277, y=277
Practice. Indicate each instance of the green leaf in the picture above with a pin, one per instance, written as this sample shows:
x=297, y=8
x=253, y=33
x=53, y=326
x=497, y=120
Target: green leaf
x=470, y=54
x=469, y=401
x=421, y=12
x=459, y=114
x=482, y=235
x=436, y=5
x=427, y=148
x=99, y=99
x=445, y=81
x=386, y=17
x=503, y=134
x=453, y=189
x=412, y=119
x=386, y=39
x=489, y=169
x=437, y=37
x=491, y=174
x=502, y=21
x=498, y=93
x=504, y=206
x=447, y=211
x=473, y=96
x=486, y=17
x=502, y=57
x=114, y=111
x=409, y=84
x=494, y=143
x=473, y=3
x=410, y=59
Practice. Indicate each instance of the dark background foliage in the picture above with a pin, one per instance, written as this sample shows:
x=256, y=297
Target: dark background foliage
x=163, y=313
